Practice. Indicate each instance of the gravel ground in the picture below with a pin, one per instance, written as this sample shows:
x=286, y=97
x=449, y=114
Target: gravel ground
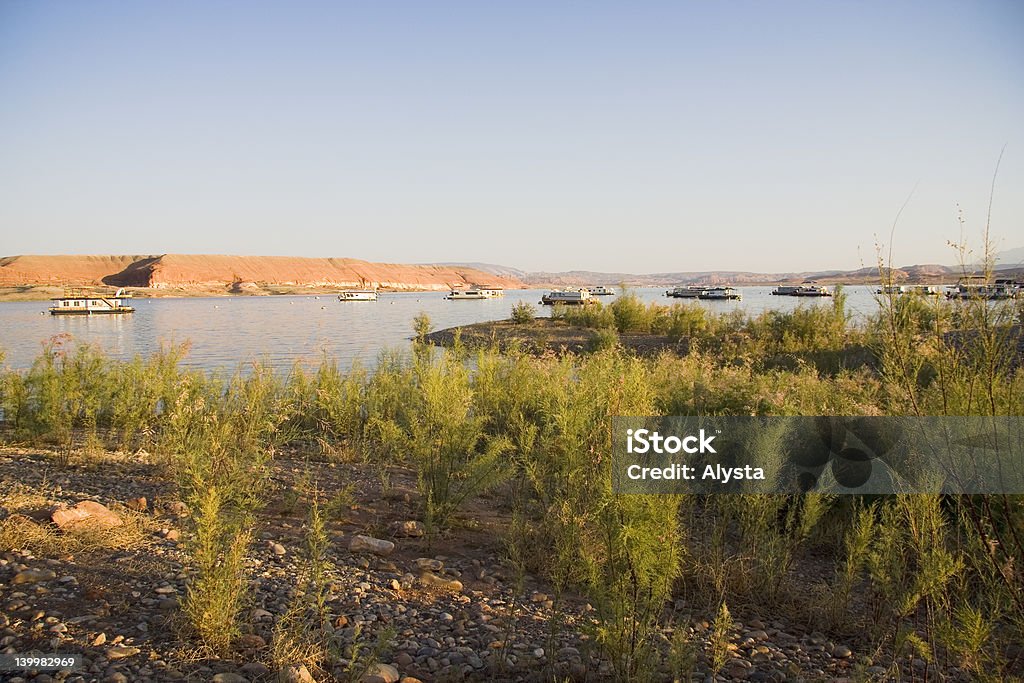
x=443, y=612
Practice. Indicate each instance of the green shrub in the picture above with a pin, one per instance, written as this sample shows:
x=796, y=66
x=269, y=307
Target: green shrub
x=523, y=313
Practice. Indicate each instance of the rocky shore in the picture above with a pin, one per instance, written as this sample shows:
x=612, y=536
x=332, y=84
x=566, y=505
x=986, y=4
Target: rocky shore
x=430, y=610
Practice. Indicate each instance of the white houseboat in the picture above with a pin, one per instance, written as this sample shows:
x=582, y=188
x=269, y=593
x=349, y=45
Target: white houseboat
x=475, y=293
x=686, y=292
x=75, y=302
x=573, y=297
x=922, y=290
x=976, y=288
x=357, y=295
x=600, y=290
x=807, y=288
x=720, y=293
x=811, y=290
x=466, y=295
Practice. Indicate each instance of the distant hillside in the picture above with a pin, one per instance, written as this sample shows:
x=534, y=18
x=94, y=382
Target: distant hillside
x=235, y=273
x=718, y=277
x=1011, y=258
x=926, y=273
x=493, y=269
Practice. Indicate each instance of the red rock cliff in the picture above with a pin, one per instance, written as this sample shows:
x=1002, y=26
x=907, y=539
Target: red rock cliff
x=204, y=271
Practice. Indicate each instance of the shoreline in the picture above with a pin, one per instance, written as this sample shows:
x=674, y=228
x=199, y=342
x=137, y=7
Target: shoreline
x=47, y=292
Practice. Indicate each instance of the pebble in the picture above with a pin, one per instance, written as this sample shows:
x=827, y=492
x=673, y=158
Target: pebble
x=431, y=580
x=408, y=529
x=368, y=544
x=229, y=678
x=841, y=652
x=121, y=651
x=33, y=576
x=381, y=673
x=296, y=673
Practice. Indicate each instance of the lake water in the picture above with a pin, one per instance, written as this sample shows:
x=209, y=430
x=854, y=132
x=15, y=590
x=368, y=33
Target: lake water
x=227, y=331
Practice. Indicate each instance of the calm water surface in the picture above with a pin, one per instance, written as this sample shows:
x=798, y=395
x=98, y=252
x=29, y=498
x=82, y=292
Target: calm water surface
x=227, y=331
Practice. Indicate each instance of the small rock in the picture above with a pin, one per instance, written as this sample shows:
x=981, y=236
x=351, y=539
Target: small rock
x=99, y=640
x=255, y=669
x=229, y=678
x=737, y=668
x=368, y=544
x=88, y=511
x=381, y=673
x=432, y=580
x=173, y=535
x=176, y=507
x=251, y=641
x=33, y=576
x=276, y=548
x=425, y=564
x=137, y=504
x=538, y=597
x=121, y=651
x=408, y=529
x=296, y=674
x=841, y=652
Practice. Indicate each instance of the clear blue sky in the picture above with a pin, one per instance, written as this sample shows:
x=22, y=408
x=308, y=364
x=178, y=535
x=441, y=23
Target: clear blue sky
x=629, y=136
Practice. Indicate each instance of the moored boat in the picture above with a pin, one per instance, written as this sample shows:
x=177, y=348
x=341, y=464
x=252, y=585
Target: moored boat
x=806, y=288
x=475, y=294
x=720, y=293
x=76, y=302
x=686, y=292
x=573, y=297
x=811, y=290
x=976, y=288
x=599, y=290
x=922, y=290
x=466, y=295
x=357, y=295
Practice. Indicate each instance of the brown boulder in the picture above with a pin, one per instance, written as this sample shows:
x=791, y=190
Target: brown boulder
x=89, y=513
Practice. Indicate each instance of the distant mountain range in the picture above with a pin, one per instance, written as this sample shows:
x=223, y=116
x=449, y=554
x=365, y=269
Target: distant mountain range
x=1010, y=261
